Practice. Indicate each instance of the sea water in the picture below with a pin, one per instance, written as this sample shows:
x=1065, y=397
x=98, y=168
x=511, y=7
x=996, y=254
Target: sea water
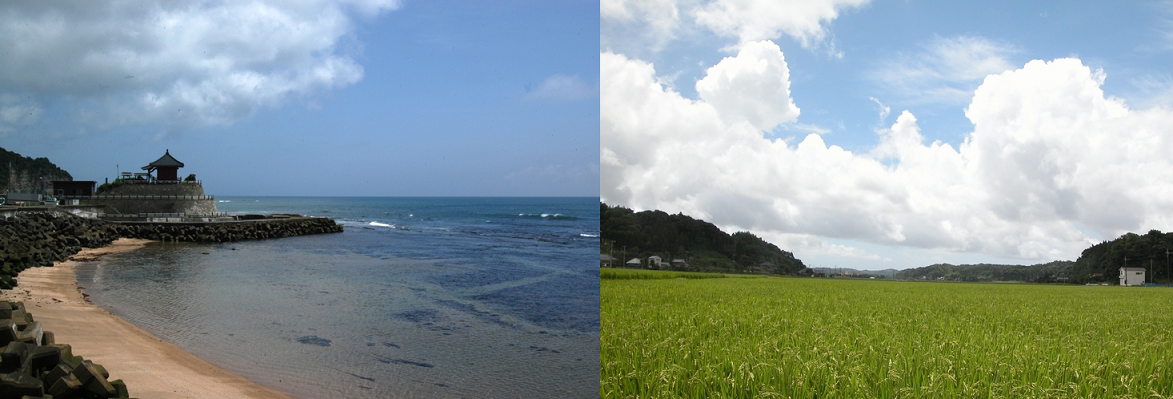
x=417, y=297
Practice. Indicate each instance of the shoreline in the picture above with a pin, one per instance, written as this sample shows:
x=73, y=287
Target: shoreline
x=150, y=367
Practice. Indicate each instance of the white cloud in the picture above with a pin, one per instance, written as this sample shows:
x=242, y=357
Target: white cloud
x=653, y=22
x=754, y=20
x=754, y=87
x=177, y=63
x=635, y=25
x=947, y=71
x=561, y=87
x=1049, y=156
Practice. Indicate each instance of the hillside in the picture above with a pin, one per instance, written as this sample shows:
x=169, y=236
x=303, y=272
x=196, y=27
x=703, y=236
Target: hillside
x=1052, y=272
x=26, y=173
x=628, y=234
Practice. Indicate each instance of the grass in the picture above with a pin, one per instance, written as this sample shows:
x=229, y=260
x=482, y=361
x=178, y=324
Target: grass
x=805, y=338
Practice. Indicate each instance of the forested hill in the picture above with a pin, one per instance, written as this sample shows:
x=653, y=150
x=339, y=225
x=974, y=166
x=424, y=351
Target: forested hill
x=1054, y=272
x=647, y=233
x=1151, y=251
x=27, y=172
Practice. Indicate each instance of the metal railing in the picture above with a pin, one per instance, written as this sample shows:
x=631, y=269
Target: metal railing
x=147, y=197
x=154, y=181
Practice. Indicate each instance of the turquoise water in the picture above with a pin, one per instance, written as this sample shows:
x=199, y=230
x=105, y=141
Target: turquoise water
x=418, y=297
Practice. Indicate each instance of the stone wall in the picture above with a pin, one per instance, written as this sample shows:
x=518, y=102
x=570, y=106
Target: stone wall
x=185, y=198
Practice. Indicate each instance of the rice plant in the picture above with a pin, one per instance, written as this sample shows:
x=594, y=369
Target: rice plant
x=829, y=338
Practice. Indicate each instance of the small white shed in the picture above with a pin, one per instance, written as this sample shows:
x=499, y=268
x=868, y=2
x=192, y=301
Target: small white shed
x=1131, y=276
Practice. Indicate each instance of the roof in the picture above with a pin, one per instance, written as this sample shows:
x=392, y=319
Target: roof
x=605, y=258
x=1133, y=269
x=164, y=161
x=633, y=260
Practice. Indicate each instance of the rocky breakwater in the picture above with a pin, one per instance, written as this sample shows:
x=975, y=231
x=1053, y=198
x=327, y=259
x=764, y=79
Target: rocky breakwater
x=32, y=365
x=275, y=226
x=32, y=239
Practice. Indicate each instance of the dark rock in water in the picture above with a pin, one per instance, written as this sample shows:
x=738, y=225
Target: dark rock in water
x=314, y=340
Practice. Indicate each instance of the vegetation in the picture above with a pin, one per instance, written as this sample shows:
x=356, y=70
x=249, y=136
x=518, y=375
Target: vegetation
x=34, y=167
x=1151, y=251
x=190, y=178
x=628, y=234
x=106, y=187
x=809, y=337
x=1053, y=272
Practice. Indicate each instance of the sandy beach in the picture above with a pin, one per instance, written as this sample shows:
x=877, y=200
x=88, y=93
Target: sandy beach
x=151, y=367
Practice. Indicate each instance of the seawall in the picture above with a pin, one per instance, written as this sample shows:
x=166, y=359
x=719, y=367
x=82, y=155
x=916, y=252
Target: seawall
x=39, y=238
x=135, y=198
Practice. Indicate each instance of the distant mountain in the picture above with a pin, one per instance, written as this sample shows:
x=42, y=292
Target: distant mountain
x=888, y=273
x=1057, y=271
x=24, y=174
x=627, y=234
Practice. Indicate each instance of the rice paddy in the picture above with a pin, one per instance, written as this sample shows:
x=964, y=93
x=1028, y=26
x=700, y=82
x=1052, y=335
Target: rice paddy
x=830, y=338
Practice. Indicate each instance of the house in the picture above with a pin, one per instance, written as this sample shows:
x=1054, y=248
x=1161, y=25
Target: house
x=606, y=260
x=767, y=267
x=634, y=262
x=1131, y=276
x=654, y=262
x=73, y=188
x=679, y=264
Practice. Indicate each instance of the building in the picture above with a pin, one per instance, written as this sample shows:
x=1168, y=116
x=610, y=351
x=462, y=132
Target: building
x=166, y=168
x=73, y=188
x=634, y=263
x=767, y=267
x=1131, y=276
x=654, y=262
x=162, y=194
x=605, y=260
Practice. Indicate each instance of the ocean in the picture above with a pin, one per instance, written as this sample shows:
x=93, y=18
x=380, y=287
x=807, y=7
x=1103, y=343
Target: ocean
x=417, y=297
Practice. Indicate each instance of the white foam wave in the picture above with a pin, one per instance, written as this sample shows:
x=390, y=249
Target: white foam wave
x=589, y=235
x=377, y=224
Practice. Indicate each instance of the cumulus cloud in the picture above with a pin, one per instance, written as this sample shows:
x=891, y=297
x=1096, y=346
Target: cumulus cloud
x=946, y=71
x=177, y=63
x=754, y=86
x=1050, y=158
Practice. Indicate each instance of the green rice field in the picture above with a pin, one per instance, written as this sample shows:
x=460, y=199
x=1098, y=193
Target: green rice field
x=831, y=338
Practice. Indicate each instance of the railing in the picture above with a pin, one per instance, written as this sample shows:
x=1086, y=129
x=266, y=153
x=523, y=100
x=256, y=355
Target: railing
x=133, y=197
x=148, y=216
x=153, y=181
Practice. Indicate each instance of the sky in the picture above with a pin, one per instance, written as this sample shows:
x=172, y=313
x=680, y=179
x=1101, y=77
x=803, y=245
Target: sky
x=893, y=134
x=310, y=97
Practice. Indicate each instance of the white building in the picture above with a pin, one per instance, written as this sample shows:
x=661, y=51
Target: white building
x=654, y=262
x=1131, y=276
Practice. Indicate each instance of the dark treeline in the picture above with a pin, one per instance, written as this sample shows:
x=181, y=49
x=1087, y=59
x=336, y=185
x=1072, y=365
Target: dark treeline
x=1054, y=272
x=628, y=234
x=1151, y=251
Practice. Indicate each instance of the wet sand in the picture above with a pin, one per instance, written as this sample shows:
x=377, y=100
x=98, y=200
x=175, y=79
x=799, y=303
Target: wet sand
x=151, y=367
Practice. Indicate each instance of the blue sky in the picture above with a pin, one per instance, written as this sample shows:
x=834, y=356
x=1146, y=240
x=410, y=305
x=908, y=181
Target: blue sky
x=893, y=134
x=355, y=98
